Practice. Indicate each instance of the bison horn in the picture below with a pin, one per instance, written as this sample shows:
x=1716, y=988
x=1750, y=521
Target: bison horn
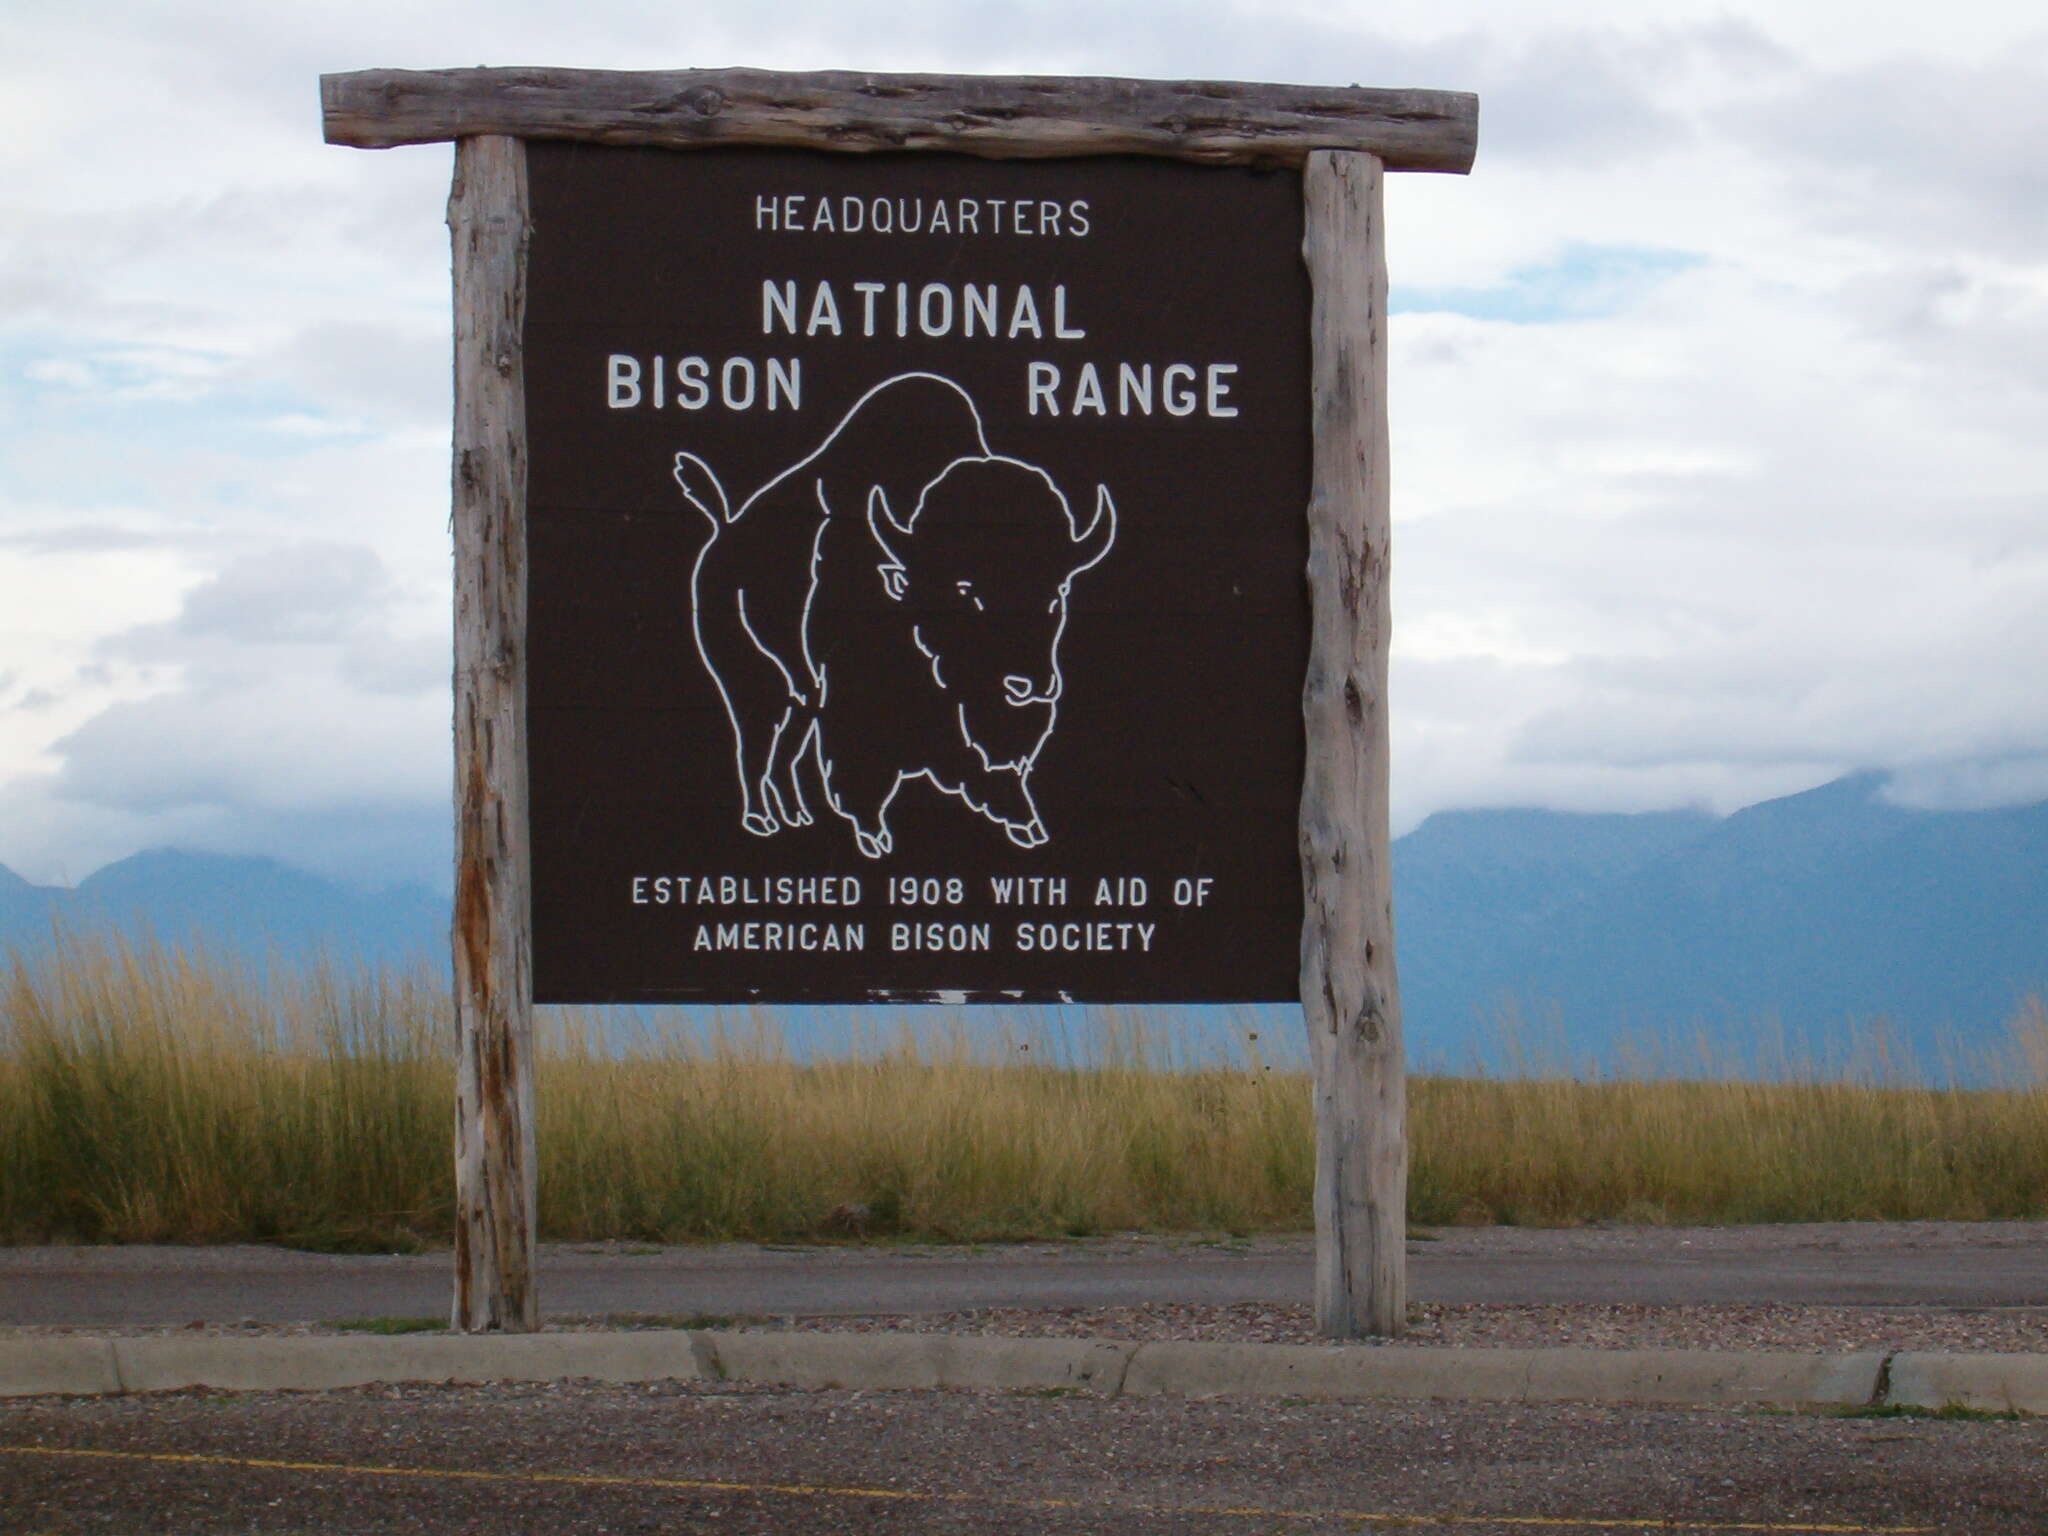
x=1093, y=543
x=881, y=522
x=878, y=502
x=892, y=569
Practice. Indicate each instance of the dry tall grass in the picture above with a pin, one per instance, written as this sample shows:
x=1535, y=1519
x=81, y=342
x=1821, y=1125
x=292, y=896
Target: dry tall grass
x=150, y=1094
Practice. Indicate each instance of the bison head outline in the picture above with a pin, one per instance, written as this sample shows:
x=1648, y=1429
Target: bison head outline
x=983, y=567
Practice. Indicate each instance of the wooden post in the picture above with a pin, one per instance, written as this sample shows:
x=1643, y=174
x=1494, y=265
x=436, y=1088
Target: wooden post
x=1348, y=989
x=489, y=223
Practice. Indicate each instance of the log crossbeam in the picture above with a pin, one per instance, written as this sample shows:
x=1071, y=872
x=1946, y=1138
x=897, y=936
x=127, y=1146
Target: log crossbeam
x=999, y=117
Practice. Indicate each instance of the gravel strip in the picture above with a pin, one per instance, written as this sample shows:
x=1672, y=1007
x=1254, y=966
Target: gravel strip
x=1814, y=1330
x=1820, y=1236
x=1817, y=1330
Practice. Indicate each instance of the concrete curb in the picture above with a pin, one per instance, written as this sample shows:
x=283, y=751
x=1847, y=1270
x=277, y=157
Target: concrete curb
x=32, y=1367
x=167, y=1363
x=1504, y=1375
x=920, y=1360
x=1992, y=1383
x=74, y=1364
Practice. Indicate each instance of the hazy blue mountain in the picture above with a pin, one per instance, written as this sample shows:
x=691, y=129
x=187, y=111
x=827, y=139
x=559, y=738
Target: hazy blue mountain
x=243, y=905
x=1808, y=912
x=21, y=904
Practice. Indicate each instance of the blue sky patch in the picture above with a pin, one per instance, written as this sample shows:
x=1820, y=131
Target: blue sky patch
x=158, y=404
x=1584, y=282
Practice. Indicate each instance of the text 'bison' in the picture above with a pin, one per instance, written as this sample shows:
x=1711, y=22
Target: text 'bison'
x=890, y=608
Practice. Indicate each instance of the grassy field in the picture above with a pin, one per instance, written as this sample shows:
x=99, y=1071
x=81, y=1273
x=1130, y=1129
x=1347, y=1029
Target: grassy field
x=151, y=1094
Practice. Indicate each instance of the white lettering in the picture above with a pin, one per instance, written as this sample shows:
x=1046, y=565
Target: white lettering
x=1024, y=313
x=1060, y=330
x=867, y=292
x=741, y=368
x=693, y=383
x=1073, y=938
x=981, y=303
x=1218, y=388
x=824, y=308
x=625, y=381
x=1041, y=379
x=778, y=301
x=935, y=320
x=1088, y=392
x=1133, y=386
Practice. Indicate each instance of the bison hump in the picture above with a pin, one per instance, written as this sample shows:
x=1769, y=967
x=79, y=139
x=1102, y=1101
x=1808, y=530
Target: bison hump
x=901, y=435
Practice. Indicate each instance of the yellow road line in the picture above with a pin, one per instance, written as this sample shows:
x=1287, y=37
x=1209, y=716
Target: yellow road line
x=905, y=1495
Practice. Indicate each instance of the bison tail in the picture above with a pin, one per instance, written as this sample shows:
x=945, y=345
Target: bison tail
x=701, y=488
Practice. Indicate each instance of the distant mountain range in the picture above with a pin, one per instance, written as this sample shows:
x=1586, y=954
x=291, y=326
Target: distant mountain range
x=1806, y=914
x=233, y=905
x=1809, y=913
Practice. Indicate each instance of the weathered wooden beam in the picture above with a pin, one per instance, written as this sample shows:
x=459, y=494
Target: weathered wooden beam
x=1019, y=117
x=1349, y=993
x=489, y=223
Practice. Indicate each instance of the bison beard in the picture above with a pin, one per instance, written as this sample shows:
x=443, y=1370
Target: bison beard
x=857, y=644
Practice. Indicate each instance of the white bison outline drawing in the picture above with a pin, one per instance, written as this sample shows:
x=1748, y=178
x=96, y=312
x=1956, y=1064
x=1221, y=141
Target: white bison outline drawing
x=878, y=644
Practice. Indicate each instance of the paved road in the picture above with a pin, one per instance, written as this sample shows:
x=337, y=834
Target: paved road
x=500, y=1461
x=1934, y=1263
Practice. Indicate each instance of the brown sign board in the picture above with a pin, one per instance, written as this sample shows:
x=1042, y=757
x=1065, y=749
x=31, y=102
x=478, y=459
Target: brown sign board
x=916, y=605
x=1042, y=630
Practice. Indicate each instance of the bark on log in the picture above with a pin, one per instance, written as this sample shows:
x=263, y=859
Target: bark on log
x=489, y=222
x=1349, y=992
x=1216, y=122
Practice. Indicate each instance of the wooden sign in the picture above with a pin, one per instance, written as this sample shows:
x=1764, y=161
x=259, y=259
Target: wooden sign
x=891, y=570
x=916, y=601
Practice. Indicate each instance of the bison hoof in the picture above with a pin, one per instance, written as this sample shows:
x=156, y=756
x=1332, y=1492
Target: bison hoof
x=760, y=823
x=870, y=844
x=1027, y=835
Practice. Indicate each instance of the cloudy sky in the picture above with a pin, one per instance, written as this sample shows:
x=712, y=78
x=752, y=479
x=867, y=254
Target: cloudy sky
x=1720, y=395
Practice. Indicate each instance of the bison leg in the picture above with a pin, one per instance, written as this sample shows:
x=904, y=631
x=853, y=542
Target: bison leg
x=1009, y=804
x=796, y=743
x=860, y=791
x=1000, y=794
x=759, y=700
x=762, y=814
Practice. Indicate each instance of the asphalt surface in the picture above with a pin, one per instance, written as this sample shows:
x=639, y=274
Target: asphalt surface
x=683, y=1458
x=1981, y=1264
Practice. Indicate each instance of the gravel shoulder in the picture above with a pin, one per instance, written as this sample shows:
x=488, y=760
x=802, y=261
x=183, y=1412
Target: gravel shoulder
x=669, y=1457
x=1798, y=1329
x=857, y=1274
